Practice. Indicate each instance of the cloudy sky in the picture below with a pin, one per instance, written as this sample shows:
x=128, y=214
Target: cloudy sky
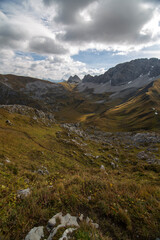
x=53, y=39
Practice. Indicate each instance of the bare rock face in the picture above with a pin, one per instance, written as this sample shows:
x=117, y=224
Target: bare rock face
x=74, y=79
x=127, y=72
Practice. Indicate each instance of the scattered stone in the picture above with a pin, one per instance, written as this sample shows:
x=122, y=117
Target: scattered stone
x=7, y=160
x=65, y=221
x=29, y=111
x=113, y=165
x=9, y=122
x=153, y=161
x=116, y=159
x=146, y=138
x=95, y=225
x=43, y=171
x=66, y=232
x=89, y=198
x=23, y=193
x=142, y=155
x=57, y=222
x=152, y=149
x=35, y=234
x=81, y=217
x=102, y=167
x=148, y=157
x=88, y=220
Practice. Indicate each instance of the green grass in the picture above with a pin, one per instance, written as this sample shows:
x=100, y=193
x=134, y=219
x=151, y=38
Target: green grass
x=125, y=201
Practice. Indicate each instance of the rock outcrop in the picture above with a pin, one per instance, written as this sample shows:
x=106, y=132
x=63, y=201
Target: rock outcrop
x=58, y=221
x=75, y=79
x=123, y=80
x=28, y=111
x=127, y=72
x=35, y=234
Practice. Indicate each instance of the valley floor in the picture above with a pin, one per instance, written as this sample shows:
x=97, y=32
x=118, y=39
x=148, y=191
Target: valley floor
x=112, y=178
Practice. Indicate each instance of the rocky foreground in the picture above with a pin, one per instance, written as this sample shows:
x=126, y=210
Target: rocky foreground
x=91, y=184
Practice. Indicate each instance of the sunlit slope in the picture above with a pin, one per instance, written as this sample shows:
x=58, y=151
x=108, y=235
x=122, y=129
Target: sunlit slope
x=139, y=112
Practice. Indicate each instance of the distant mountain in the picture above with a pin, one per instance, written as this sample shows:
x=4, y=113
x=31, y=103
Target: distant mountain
x=122, y=98
x=126, y=72
x=124, y=79
x=74, y=79
x=32, y=92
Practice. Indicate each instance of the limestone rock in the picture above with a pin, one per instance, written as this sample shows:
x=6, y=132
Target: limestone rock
x=9, y=122
x=57, y=222
x=113, y=165
x=66, y=232
x=65, y=221
x=7, y=160
x=43, y=171
x=102, y=168
x=36, y=233
x=23, y=193
x=81, y=217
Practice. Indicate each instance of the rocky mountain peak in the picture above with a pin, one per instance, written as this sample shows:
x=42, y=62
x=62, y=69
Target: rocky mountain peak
x=74, y=79
x=127, y=72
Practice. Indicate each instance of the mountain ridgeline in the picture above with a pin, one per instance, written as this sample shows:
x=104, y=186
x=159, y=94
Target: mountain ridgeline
x=106, y=101
x=82, y=155
x=126, y=72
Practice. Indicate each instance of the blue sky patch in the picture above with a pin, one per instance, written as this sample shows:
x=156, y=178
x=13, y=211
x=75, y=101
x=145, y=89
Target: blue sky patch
x=34, y=56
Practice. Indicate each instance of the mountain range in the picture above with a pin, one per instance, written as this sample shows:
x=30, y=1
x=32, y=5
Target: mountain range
x=122, y=98
x=83, y=154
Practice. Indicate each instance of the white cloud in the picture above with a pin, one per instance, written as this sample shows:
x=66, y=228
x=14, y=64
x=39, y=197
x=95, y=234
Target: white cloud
x=57, y=29
x=52, y=67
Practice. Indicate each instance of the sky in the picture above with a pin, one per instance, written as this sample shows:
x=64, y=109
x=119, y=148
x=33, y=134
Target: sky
x=53, y=39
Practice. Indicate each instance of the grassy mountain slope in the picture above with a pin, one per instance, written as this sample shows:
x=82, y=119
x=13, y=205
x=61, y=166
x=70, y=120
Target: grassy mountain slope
x=33, y=92
x=140, y=112
x=124, y=200
x=133, y=112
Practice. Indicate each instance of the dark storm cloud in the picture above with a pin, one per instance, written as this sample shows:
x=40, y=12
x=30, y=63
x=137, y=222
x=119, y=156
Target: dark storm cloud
x=68, y=9
x=113, y=21
x=11, y=35
x=46, y=45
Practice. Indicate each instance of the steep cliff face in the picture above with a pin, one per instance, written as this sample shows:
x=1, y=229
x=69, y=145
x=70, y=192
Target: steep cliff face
x=126, y=72
x=123, y=80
